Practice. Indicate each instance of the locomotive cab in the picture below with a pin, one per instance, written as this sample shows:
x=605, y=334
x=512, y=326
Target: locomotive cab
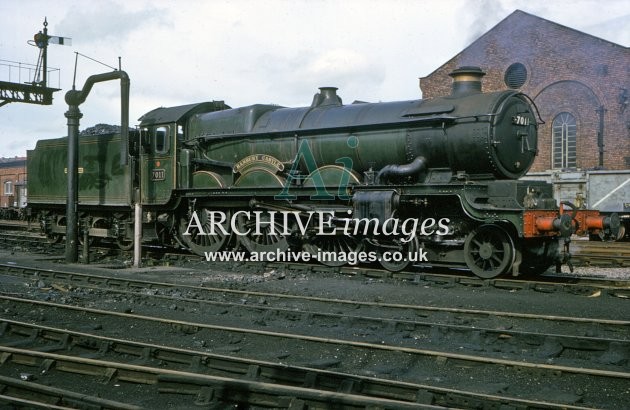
x=157, y=163
x=164, y=161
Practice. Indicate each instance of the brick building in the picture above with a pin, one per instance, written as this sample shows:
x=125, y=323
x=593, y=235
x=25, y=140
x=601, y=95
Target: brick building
x=12, y=182
x=580, y=84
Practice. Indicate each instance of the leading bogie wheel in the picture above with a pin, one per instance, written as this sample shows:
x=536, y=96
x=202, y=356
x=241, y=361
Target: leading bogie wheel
x=489, y=251
x=399, y=256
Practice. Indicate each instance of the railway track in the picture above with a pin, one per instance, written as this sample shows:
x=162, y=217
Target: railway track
x=234, y=376
x=549, y=283
x=206, y=390
x=467, y=364
x=18, y=225
x=581, y=360
x=438, y=344
x=384, y=315
x=487, y=331
x=25, y=239
x=24, y=394
x=589, y=253
x=583, y=253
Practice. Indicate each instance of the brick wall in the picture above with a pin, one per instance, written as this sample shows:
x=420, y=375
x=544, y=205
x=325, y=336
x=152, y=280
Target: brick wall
x=14, y=171
x=567, y=71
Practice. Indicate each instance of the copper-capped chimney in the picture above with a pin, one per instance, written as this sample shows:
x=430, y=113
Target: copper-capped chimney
x=466, y=80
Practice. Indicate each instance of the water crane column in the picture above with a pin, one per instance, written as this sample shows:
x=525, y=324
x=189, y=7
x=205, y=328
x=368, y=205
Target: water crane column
x=74, y=98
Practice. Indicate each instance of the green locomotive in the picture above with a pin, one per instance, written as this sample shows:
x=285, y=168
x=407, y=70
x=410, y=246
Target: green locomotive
x=436, y=177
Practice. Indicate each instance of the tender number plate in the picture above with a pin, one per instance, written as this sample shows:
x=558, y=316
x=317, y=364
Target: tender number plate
x=158, y=175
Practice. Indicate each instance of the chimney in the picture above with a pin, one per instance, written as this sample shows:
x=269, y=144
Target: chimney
x=326, y=96
x=466, y=80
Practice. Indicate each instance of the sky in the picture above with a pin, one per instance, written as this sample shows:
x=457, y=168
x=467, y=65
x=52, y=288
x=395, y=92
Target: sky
x=251, y=51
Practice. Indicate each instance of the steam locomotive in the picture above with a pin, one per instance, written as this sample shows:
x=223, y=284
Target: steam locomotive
x=436, y=177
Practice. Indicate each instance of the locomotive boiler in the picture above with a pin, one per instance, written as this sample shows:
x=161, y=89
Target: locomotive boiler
x=435, y=176
x=485, y=136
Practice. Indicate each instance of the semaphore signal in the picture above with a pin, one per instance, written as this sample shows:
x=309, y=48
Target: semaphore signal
x=41, y=41
x=37, y=90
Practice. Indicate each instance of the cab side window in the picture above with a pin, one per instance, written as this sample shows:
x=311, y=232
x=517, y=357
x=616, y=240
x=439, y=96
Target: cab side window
x=161, y=140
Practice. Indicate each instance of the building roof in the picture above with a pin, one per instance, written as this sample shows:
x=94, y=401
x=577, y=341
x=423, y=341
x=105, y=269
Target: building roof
x=519, y=14
x=522, y=20
x=12, y=162
x=4, y=160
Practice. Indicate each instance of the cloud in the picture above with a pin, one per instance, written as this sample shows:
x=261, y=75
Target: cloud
x=614, y=29
x=251, y=51
x=343, y=66
x=108, y=21
x=485, y=15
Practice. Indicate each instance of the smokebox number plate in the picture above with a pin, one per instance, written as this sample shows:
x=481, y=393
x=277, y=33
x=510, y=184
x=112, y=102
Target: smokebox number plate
x=158, y=175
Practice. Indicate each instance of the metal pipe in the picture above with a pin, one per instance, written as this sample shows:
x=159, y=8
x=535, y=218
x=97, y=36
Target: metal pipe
x=86, y=246
x=45, y=55
x=74, y=97
x=600, y=135
x=137, y=231
x=124, y=118
x=73, y=115
x=413, y=168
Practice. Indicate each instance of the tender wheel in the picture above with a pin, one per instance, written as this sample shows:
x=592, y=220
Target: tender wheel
x=269, y=239
x=54, y=238
x=91, y=239
x=342, y=246
x=489, y=251
x=124, y=244
x=211, y=238
x=57, y=237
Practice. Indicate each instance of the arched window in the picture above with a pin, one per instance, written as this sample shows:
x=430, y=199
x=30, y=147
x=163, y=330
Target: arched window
x=564, y=130
x=8, y=188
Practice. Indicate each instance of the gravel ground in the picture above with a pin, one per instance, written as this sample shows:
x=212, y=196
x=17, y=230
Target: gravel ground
x=598, y=272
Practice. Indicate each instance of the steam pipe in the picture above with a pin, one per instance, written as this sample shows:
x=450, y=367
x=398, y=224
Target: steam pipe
x=74, y=98
x=414, y=167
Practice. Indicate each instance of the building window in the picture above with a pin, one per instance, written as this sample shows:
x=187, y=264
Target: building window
x=564, y=131
x=8, y=188
x=515, y=75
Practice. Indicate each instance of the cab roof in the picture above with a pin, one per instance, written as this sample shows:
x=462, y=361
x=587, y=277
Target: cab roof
x=163, y=115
